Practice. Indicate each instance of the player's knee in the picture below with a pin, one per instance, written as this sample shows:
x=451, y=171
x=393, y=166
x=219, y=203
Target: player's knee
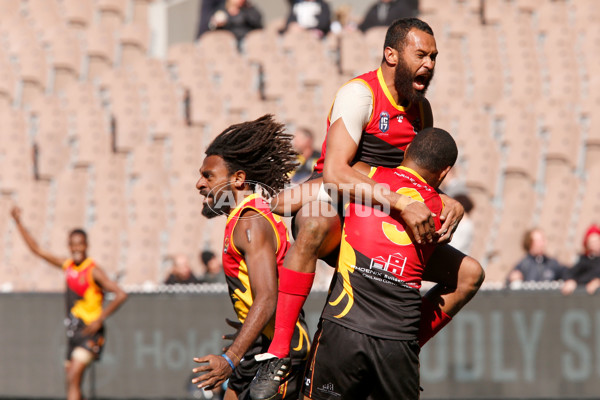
x=472, y=274
x=312, y=233
x=72, y=376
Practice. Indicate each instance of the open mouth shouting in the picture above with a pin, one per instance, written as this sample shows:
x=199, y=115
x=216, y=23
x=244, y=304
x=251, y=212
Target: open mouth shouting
x=422, y=80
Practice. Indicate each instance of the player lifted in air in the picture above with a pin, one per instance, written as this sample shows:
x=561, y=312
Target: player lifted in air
x=372, y=120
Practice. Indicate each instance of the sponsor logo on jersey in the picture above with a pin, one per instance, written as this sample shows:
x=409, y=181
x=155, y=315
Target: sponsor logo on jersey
x=328, y=388
x=384, y=121
x=394, y=264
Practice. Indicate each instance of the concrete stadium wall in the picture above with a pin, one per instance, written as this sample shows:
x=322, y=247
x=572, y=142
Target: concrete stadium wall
x=534, y=344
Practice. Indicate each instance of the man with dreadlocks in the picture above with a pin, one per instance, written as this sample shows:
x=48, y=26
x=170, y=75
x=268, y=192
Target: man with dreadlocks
x=241, y=163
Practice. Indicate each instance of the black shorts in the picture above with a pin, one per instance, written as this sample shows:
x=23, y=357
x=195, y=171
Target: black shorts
x=246, y=370
x=349, y=365
x=75, y=338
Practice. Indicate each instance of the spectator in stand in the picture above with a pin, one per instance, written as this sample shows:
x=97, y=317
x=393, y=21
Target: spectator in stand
x=239, y=17
x=343, y=20
x=212, y=267
x=181, y=272
x=207, y=9
x=303, y=143
x=586, y=272
x=536, y=266
x=312, y=15
x=384, y=12
x=463, y=236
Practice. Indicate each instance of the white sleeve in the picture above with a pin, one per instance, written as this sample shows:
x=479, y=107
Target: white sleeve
x=354, y=104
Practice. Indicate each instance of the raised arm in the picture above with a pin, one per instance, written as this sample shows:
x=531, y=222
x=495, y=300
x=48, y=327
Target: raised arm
x=30, y=241
x=255, y=238
x=111, y=286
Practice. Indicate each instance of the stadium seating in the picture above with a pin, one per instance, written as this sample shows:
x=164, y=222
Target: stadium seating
x=100, y=135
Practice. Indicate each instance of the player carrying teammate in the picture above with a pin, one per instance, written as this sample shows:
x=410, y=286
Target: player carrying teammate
x=241, y=161
x=367, y=344
x=86, y=285
x=373, y=118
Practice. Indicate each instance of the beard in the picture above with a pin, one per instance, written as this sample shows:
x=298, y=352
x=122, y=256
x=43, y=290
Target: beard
x=403, y=82
x=222, y=201
x=210, y=212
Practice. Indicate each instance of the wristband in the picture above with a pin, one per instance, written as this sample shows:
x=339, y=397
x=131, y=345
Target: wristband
x=233, y=354
x=229, y=361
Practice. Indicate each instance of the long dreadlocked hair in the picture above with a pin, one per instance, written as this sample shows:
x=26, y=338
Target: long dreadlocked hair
x=260, y=148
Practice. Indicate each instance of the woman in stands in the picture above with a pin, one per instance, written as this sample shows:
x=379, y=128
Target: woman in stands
x=86, y=285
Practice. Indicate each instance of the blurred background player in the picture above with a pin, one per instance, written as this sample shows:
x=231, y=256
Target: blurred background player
x=86, y=285
x=367, y=345
x=239, y=163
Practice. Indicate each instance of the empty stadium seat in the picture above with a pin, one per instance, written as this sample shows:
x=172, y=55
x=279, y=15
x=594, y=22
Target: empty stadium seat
x=69, y=211
x=67, y=57
x=48, y=124
x=134, y=40
x=561, y=189
x=354, y=53
x=519, y=201
x=78, y=13
x=100, y=48
x=16, y=163
x=111, y=13
x=560, y=126
x=520, y=138
x=8, y=80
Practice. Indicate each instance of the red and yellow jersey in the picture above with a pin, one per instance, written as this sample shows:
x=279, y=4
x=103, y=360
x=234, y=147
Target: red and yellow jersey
x=84, y=296
x=234, y=265
x=376, y=287
x=390, y=129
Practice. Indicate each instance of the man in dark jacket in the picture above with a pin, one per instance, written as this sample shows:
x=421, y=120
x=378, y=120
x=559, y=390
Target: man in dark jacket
x=536, y=266
x=384, y=12
x=586, y=272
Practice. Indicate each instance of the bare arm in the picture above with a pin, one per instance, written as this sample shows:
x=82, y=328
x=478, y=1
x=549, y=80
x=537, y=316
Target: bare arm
x=255, y=239
x=31, y=243
x=107, y=285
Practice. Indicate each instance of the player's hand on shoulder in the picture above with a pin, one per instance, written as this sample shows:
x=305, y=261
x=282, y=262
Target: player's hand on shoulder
x=419, y=220
x=452, y=214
